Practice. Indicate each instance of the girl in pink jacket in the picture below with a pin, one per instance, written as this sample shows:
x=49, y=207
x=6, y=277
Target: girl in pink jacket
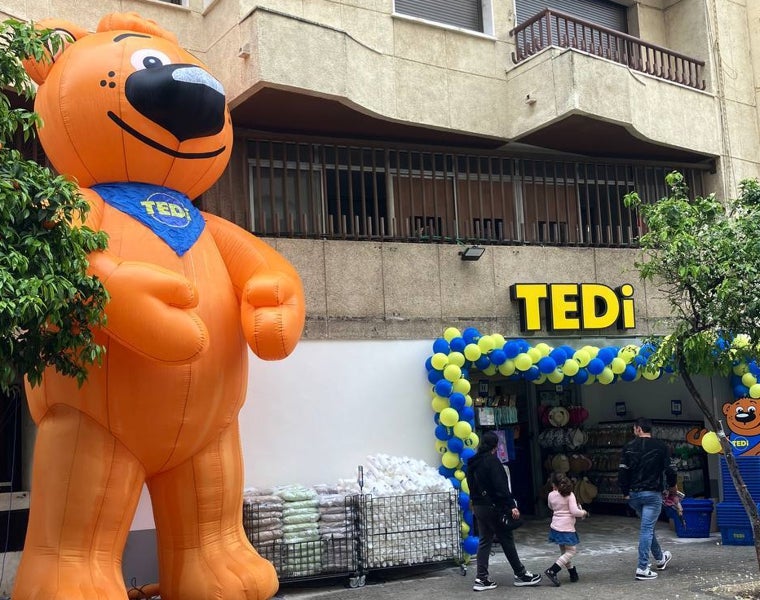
x=565, y=509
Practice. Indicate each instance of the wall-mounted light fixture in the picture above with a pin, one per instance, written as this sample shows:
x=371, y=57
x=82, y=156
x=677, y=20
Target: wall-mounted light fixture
x=676, y=408
x=472, y=253
x=621, y=409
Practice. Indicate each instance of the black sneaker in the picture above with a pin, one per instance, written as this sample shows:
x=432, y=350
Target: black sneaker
x=573, y=575
x=483, y=584
x=527, y=578
x=552, y=577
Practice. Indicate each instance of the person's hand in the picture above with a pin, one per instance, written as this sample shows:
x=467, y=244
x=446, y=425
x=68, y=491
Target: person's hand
x=588, y=514
x=515, y=513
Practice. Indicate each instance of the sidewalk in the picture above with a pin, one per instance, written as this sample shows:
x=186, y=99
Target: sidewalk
x=606, y=561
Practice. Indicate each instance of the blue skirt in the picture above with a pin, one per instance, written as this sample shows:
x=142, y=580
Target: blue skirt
x=567, y=538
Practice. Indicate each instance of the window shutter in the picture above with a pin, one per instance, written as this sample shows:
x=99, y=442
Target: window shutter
x=460, y=13
x=601, y=12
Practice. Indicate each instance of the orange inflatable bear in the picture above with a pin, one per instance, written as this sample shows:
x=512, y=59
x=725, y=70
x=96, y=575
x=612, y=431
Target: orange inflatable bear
x=143, y=128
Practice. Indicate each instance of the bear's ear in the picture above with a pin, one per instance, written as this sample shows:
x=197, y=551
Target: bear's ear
x=132, y=21
x=727, y=408
x=39, y=68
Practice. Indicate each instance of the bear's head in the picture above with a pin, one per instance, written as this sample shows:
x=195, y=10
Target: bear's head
x=742, y=416
x=128, y=104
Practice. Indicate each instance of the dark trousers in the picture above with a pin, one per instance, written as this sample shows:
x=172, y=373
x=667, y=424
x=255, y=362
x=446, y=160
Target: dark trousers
x=488, y=524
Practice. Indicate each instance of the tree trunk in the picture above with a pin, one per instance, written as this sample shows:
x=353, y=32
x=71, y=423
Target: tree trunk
x=733, y=468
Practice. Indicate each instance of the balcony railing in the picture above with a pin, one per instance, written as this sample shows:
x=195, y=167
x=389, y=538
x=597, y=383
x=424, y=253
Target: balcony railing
x=555, y=28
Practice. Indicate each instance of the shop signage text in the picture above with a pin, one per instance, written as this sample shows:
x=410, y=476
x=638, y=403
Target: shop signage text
x=573, y=306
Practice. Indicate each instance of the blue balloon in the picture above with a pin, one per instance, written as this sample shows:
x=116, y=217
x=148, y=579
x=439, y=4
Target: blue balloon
x=547, y=365
x=533, y=373
x=434, y=376
x=443, y=433
x=466, y=454
x=457, y=344
x=467, y=413
x=471, y=335
x=467, y=516
x=457, y=401
x=596, y=366
x=629, y=374
x=640, y=360
x=464, y=500
x=483, y=362
x=455, y=482
x=441, y=345
x=429, y=363
x=523, y=345
x=443, y=387
x=498, y=357
x=446, y=472
x=465, y=373
x=558, y=355
x=581, y=376
x=569, y=351
x=741, y=391
x=754, y=368
x=511, y=349
x=470, y=544
x=455, y=445
x=606, y=355
x=437, y=418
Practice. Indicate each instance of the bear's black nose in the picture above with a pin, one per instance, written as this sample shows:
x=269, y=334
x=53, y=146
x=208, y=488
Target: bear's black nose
x=183, y=99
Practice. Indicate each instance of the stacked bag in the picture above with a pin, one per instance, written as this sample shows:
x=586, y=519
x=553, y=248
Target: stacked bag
x=262, y=519
x=302, y=554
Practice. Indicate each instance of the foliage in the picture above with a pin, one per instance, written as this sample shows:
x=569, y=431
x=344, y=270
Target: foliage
x=705, y=255
x=48, y=304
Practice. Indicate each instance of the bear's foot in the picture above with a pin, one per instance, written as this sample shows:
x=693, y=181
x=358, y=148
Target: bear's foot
x=228, y=571
x=67, y=578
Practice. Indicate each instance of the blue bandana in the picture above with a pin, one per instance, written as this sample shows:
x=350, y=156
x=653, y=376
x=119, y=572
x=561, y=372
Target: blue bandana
x=166, y=212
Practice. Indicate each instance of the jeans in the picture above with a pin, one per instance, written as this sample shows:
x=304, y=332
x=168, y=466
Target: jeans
x=648, y=506
x=489, y=525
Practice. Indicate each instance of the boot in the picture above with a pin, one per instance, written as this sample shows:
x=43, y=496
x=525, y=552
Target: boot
x=551, y=573
x=573, y=574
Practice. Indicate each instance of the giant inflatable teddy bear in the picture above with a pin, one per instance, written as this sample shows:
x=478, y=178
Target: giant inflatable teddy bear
x=143, y=128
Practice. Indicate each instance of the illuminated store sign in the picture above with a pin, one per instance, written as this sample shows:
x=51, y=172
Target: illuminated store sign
x=574, y=306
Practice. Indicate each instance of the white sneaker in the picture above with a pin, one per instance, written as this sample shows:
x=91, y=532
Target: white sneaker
x=666, y=558
x=645, y=574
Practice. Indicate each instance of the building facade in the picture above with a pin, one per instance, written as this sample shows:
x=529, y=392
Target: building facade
x=375, y=140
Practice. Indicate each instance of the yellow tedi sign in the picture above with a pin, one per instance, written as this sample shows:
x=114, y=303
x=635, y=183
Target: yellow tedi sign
x=574, y=306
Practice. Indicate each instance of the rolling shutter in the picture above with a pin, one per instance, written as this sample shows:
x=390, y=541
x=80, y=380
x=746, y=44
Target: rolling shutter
x=601, y=12
x=460, y=13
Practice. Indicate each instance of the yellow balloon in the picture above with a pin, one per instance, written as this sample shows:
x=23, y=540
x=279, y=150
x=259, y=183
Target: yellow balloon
x=543, y=348
x=467, y=400
x=498, y=340
x=459, y=474
x=651, y=374
x=754, y=391
x=486, y=344
x=535, y=355
x=540, y=380
x=592, y=350
x=441, y=447
x=749, y=379
x=507, y=367
x=591, y=379
x=452, y=372
x=439, y=403
x=451, y=333
x=617, y=365
x=472, y=352
x=464, y=529
x=570, y=367
x=450, y=460
x=606, y=376
x=462, y=386
x=581, y=357
x=456, y=358
x=490, y=370
x=465, y=486
x=462, y=430
x=628, y=353
x=741, y=369
x=523, y=362
x=472, y=441
x=449, y=417
x=555, y=376
x=711, y=443
x=439, y=360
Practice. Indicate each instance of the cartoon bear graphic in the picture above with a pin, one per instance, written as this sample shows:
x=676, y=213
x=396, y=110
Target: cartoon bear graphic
x=143, y=128
x=743, y=424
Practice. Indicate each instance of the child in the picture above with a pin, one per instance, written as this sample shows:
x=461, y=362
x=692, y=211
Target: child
x=565, y=509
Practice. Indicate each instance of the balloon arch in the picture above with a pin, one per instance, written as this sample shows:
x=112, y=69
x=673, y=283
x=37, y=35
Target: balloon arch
x=458, y=353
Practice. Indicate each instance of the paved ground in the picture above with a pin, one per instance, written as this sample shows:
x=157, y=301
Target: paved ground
x=701, y=568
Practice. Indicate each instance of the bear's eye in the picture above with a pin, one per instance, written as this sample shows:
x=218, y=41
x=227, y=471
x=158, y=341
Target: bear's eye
x=739, y=410
x=148, y=58
x=751, y=409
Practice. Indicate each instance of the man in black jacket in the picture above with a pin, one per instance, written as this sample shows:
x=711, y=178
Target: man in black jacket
x=643, y=463
x=491, y=496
